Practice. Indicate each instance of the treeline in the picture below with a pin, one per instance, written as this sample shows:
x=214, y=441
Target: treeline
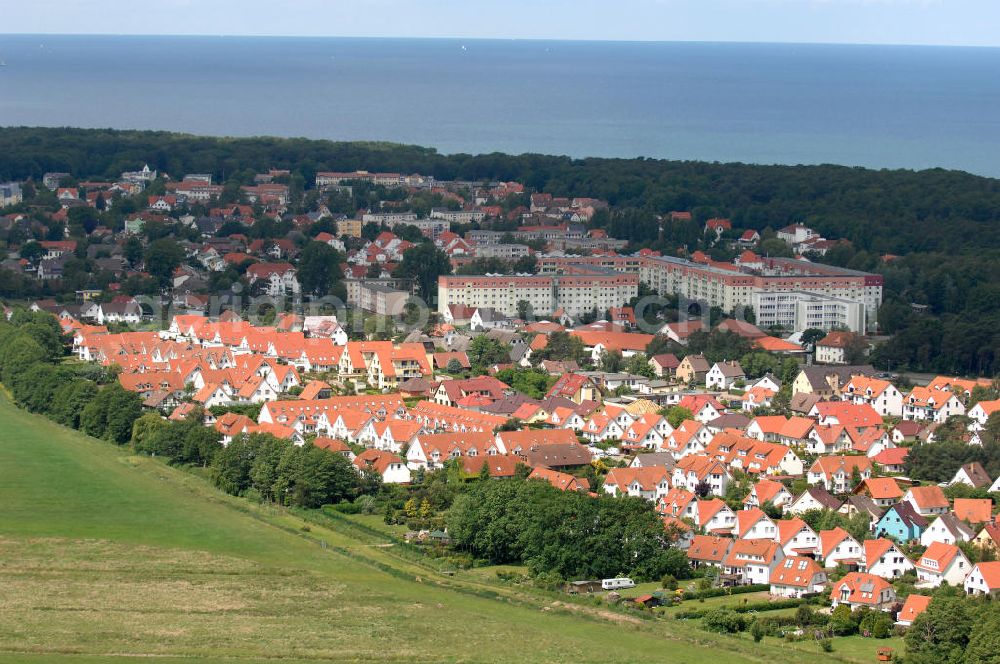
x=940, y=460
x=940, y=210
x=954, y=629
x=31, y=347
x=565, y=533
x=265, y=468
x=90, y=399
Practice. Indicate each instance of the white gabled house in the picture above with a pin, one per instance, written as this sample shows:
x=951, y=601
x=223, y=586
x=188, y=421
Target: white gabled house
x=883, y=558
x=837, y=547
x=942, y=563
x=984, y=579
x=796, y=576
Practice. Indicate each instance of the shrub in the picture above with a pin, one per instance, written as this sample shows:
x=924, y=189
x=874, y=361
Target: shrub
x=719, y=592
x=826, y=645
x=725, y=621
x=345, y=508
x=757, y=630
x=669, y=582
x=366, y=504
x=876, y=624
x=842, y=621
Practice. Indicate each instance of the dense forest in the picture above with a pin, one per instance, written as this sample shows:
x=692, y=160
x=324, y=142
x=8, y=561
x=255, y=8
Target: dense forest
x=933, y=234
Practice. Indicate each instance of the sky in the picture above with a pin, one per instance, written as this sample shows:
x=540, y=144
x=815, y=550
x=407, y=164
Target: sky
x=931, y=22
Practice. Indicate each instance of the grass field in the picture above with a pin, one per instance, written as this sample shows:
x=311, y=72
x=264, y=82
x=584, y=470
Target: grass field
x=105, y=556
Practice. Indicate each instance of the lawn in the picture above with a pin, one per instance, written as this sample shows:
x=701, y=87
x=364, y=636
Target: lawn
x=104, y=556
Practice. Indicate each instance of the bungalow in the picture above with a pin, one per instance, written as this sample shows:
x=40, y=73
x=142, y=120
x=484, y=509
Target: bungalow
x=751, y=561
x=902, y=523
x=906, y=431
x=556, y=456
x=837, y=547
x=912, y=607
x=947, y=529
x=859, y=589
x=797, y=576
x=727, y=421
x=942, y=563
x=927, y=500
x=724, y=375
x=883, y=558
x=984, y=579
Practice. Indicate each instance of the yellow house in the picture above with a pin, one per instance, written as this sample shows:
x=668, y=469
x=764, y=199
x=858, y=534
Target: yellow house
x=693, y=369
x=988, y=538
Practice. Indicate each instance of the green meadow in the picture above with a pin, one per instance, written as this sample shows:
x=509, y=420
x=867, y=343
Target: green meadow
x=106, y=556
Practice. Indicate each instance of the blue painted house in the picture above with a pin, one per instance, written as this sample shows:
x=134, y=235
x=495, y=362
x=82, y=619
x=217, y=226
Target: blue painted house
x=902, y=523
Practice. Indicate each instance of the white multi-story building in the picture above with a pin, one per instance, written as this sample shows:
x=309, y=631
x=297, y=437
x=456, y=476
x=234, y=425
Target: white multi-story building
x=799, y=311
x=732, y=288
x=503, y=251
x=389, y=217
x=277, y=278
x=458, y=216
x=576, y=294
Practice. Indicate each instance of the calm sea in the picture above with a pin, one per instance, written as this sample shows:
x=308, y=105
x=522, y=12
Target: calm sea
x=912, y=107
